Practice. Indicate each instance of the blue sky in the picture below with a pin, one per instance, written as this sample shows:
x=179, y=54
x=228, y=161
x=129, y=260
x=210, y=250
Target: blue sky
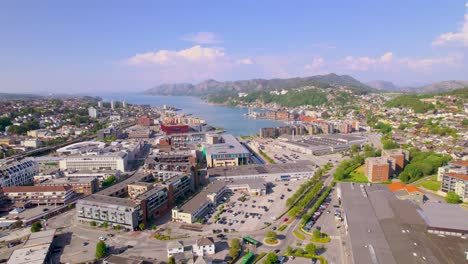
x=88, y=46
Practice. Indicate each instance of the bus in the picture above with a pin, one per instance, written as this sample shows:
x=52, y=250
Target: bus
x=247, y=258
x=250, y=240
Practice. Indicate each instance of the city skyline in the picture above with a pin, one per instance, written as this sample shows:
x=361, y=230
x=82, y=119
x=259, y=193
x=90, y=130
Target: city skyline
x=87, y=47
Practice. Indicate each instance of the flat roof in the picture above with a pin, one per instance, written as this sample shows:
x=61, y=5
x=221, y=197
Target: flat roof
x=254, y=169
x=230, y=146
x=40, y=238
x=447, y=216
x=385, y=229
x=68, y=180
x=30, y=255
x=98, y=198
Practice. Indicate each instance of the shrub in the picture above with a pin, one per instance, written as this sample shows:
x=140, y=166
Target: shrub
x=36, y=227
x=452, y=198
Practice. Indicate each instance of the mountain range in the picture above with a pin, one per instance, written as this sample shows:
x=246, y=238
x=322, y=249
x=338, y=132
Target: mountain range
x=212, y=86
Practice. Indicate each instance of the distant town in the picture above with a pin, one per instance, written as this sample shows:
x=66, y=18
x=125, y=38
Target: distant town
x=382, y=178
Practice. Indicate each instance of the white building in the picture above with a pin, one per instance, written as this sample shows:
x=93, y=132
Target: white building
x=18, y=173
x=31, y=143
x=174, y=247
x=204, y=246
x=93, y=112
x=111, y=161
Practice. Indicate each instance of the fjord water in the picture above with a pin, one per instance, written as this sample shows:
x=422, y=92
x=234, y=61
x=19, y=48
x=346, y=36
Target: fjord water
x=231, y=119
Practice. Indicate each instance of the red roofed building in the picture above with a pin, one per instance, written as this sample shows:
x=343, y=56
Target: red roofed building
x=407, y=192
x=48, y=195
x=174, y=129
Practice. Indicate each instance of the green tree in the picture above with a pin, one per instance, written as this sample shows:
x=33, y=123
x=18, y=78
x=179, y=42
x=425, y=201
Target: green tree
x=316, y=233
x=452, y=198
x=4, y=122
x=93, y=223
x=234, y=248
x=36, y=227
x=141, y=226
x=310, y=248
x=105, y=225
x=101, y=249
x=18, y=224
x=171, y=260
x=271, y=258
x=109, y=181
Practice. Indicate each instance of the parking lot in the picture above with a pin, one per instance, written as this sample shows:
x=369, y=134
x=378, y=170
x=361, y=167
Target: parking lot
x=253, y=213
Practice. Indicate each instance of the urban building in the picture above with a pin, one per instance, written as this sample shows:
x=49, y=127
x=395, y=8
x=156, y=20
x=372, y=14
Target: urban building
x=108, y=161
x=377, y=169
x=174, y=129
x=80, y=185
x=407, y=192
x=16, y=173
x=113, y=210
x=267, y=172
x=381, y=228
x=454, y=177
x=398, y=159
x=145, y=121
x=174, y=247
x=36, y=249
x=92, y=112
x=227, y=152
x=46, y=195
x=204, y=246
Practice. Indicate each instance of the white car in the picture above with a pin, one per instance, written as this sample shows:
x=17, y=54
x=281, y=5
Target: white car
x=102, y=238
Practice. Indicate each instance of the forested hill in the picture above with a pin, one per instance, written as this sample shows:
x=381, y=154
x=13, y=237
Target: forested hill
x=213, y=87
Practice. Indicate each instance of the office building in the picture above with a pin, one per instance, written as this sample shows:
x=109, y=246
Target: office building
x=93, y=112
x=40, y=195
x=100, y=104
x=17, y=173
x=112, y=103
x=377, y=169
x=227, y=152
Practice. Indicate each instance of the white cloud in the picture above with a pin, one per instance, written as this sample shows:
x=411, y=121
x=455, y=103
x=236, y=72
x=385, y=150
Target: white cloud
x=389, y=62
x=202, y=38
x=193, y=54
x=454, y=38
x=315, y=64
x=245, y=61
x=364, y=63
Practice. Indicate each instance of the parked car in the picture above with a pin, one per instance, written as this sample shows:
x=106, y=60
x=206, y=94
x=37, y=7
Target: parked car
x=102, y=238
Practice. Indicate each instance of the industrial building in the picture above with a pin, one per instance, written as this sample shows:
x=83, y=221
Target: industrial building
x=381, y=228
x=267, y=172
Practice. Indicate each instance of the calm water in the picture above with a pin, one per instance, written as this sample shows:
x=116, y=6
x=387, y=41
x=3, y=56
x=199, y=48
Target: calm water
x=230, y=119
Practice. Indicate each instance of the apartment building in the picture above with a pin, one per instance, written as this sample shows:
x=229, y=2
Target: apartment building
x=454, y=178
x=108, y=161
x=17, y=173
x=45, y=195
x=113, y=210
x=377, y=169
x=228, y=152
x=398, y=159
